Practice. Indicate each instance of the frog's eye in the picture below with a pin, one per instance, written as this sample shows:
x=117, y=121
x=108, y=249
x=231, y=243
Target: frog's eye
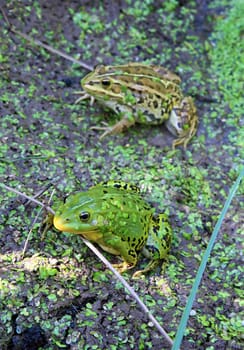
x=105, y=82
x=84, y=216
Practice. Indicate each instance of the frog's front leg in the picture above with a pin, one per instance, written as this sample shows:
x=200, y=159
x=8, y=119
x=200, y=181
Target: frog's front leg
x=84, y=96
x=122, y=267
x=46, y=224
x=123, y=249
x=124, y=123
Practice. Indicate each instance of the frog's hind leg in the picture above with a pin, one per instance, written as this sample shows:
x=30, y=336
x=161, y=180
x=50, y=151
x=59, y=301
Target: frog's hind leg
x=158, y=243
x=152, y=265
x=115, y=245
x=183, y=122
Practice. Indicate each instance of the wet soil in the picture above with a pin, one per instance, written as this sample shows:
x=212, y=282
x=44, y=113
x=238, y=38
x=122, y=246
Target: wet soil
x=58, y=296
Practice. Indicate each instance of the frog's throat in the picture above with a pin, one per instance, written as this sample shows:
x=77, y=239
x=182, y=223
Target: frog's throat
x=93, y=236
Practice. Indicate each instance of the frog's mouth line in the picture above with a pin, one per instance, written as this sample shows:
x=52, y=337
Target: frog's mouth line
x=90, y=235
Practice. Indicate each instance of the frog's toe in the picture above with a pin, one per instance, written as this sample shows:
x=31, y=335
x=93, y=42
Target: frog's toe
x=138, y=274
x=107, y=130
x=152, y=264
x=181, y=141
x=124, y=266
x=84, y=96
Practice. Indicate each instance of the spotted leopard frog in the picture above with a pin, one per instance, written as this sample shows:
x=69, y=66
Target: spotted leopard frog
x=142, y=94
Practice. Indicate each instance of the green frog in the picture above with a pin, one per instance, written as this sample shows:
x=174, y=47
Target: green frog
x=115, y=216
x=145, y=94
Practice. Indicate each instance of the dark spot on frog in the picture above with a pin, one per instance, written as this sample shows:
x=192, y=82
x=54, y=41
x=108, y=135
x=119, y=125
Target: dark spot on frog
x=117, y=185
x=140, y=101
x=155, y=104
x=65, y=198
x=167, y=240
x=132, y=253
x=126, y=79
x=117, y=110
x=156, y=228
x=91, y=83
x=163, y=111
x=152, y=249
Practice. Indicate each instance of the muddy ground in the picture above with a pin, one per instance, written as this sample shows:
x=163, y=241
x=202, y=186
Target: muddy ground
x=59, y=296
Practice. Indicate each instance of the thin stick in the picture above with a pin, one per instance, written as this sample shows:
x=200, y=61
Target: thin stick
x=106, y=262
x=34, y=222
x=131, y=291
x=30, y=232
x=45, y=46
x=49, y=209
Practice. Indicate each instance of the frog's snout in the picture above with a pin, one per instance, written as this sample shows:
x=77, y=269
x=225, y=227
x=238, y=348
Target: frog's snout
x=59, y=223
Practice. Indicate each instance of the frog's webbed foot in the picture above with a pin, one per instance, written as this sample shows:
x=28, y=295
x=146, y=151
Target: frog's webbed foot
x=124, y=266
x=181, y=141
x=115, y=129
x=84, y=96
x=152, y=265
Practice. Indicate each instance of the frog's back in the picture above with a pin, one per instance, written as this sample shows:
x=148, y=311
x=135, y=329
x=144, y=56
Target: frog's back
x=140, y=69
x=120, y=195
x=147, y=93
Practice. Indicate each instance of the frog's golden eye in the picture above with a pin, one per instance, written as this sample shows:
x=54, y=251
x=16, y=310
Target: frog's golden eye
x=84, y=216
x=106, y=82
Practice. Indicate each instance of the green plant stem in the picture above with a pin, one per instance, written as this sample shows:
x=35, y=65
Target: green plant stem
x=186, y=313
